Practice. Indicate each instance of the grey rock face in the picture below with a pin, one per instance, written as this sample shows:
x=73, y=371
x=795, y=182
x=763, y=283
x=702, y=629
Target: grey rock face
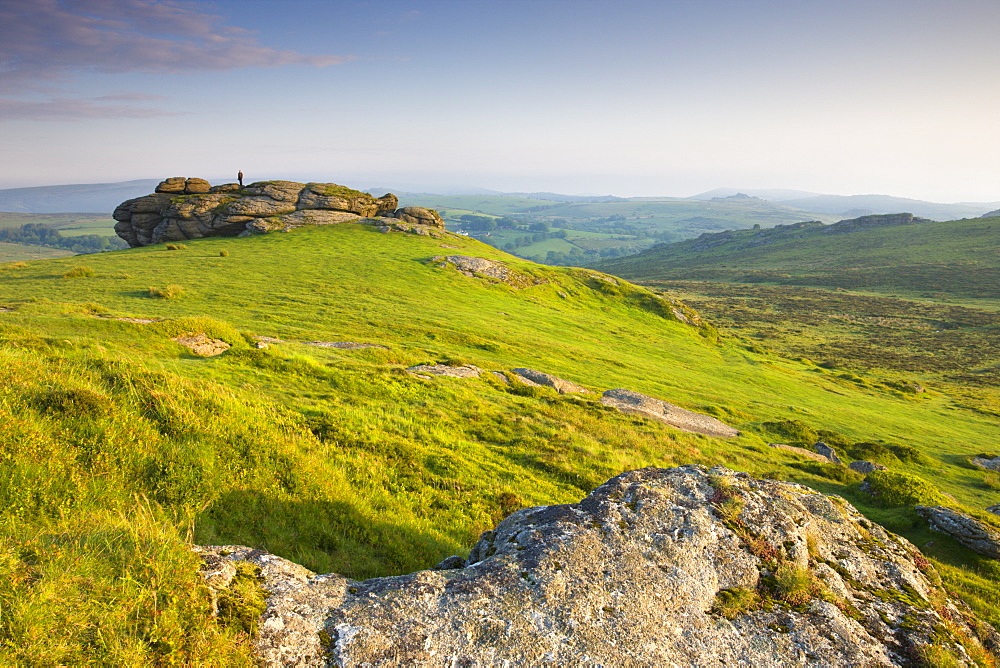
x=994, y=509
x=968, y=531
x=182, y=209
x=864, y=467
x=828, y=452
x=629, y=576
x=548, y=380
x=987, y=463
x=481, y=267
x=632, y=402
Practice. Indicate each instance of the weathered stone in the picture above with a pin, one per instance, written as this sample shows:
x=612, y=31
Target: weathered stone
x=548, y=380
x=629, y=576
x=800, y=451
x=864, y=467
x=387, y=204
x=200, y=344
x=418, y=215
x=464, y=371
x=337, y=198
x=828, y=452
x=968, y=531
x=226, y=188
x=987, y=463
x=450, y=563
x=173, y=185
x=280, y=191
x=260, y=206
x=628, y=401
x=196, y=186
x=481, y=267
x=994, y=509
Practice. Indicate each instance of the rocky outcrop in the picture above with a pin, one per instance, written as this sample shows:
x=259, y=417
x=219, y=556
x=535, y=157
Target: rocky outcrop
x=540, y=378
x=187, y=208
x=684, y=567
x=968, y=531
x=628, y=401
x=864, y=468
x=480, y=267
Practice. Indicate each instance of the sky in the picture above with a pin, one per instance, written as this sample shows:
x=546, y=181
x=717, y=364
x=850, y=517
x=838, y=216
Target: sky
x=622, y=97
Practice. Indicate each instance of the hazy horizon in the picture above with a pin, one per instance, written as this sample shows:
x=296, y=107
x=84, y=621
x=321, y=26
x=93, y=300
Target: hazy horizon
x=631, y=98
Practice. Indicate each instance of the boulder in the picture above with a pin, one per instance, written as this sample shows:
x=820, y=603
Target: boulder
x=864, y=468
x=994, y=509
x=628, y=401
x=815, y=456
x=200, y=344
x=987, y=463
x=173, y=185
x=418, y=215
x=970, y=532
x=657, y=567
x=828, y=452
x=548, y=380
x=196, y=186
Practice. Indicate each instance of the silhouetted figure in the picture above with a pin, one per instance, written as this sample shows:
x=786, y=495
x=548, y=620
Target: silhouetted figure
x=240, y=177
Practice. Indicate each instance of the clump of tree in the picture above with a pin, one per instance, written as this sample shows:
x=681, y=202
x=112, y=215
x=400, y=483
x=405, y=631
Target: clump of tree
x=38, y=234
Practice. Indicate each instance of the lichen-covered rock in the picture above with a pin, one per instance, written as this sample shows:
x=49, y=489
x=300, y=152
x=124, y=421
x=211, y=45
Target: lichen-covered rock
x=679, y=567
x=558, y=384
x=191, y=208
x=815, y=456
x=970, y=532
x=628, y=401
x=200, y=344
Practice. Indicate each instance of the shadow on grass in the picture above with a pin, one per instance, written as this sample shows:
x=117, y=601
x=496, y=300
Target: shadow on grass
x=324, y=536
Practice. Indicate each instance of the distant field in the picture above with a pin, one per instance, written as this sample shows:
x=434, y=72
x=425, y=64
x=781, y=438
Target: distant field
x=23, y=253
x=58, y=220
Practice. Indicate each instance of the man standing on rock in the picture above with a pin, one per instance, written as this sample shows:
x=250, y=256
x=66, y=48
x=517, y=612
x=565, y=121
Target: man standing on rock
x=240, y=177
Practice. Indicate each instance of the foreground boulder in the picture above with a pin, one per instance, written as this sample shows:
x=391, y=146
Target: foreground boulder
x=189, y=208
x=686, y=567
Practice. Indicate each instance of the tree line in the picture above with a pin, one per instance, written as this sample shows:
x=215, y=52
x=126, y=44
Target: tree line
x=39, y=234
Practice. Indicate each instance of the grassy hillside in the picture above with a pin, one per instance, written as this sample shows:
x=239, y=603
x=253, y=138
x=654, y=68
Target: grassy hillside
x=955, y=258
x=118, y=446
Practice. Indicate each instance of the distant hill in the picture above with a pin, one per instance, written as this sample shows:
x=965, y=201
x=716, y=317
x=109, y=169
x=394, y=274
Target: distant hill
x=879, y=204
x=91, y=197
x=856, y=205
x=898, y=253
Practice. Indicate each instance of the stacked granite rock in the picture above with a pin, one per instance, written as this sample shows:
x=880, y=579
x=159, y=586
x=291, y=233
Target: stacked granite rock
x=191, y=208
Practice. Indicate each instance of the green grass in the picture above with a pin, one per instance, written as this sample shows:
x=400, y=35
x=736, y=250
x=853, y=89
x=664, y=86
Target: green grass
x=340, y=459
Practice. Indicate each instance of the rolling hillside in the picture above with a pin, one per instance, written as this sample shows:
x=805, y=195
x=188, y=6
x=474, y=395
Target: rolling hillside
x=119, y=446
x=957, y=258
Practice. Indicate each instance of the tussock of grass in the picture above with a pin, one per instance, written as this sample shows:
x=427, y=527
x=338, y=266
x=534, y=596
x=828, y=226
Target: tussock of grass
x=80, y=271
x=167, y=292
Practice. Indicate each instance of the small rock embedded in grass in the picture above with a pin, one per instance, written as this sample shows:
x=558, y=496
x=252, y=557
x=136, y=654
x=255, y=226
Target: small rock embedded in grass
x=200, y=344
x=343, y=345
x=464, y=371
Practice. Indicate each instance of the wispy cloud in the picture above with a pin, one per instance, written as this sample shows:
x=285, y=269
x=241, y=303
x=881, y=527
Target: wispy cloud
x=44, y=42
